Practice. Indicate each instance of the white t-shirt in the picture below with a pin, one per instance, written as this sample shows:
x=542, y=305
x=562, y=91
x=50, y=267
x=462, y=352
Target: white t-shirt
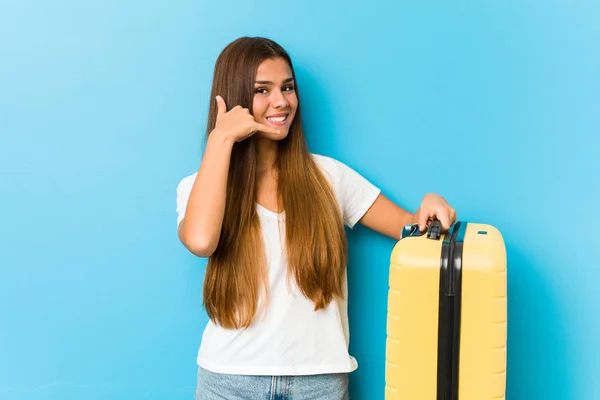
x=291, y=338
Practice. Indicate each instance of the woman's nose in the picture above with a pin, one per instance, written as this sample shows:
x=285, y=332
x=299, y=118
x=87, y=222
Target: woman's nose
x=279, y=100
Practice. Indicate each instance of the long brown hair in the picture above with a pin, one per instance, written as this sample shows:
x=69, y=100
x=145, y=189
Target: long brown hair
x=315, y=244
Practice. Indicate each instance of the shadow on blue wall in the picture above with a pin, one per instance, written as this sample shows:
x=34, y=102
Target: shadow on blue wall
x=535, y=319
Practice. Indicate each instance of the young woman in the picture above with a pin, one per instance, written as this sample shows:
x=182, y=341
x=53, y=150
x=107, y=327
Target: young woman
x=270, y=217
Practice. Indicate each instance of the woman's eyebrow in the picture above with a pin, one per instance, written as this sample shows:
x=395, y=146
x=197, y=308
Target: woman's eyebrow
x=288, y=80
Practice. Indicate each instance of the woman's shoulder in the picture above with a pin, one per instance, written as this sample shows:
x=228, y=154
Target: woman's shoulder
x=327, y=163
x=340, y=172
x=335, y=168
x=186, y=183
x=189, y=178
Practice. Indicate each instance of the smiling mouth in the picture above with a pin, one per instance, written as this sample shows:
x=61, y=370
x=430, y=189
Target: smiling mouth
x=278, y=120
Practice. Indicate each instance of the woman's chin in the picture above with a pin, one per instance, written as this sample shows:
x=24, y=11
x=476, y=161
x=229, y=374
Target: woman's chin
x=274, y=136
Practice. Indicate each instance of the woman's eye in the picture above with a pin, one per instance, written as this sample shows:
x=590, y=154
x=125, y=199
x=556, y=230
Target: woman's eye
x=289, y=88
x=260, y=90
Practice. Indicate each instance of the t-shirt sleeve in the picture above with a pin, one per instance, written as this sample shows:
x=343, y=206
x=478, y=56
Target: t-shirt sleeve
x=183, y=194
x=356, y=193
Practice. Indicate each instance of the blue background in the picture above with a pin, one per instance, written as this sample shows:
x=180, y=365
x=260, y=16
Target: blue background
x=494, y=105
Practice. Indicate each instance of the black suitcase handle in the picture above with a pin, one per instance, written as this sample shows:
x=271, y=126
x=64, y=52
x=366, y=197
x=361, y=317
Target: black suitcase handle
x=434, y=230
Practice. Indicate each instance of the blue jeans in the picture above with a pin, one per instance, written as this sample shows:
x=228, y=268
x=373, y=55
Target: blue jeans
x=213, y=386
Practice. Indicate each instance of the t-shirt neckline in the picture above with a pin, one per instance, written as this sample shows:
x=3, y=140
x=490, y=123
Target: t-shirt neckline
x=269, y=212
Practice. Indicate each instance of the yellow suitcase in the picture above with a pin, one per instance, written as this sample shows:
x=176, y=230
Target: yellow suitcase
x=446, y=324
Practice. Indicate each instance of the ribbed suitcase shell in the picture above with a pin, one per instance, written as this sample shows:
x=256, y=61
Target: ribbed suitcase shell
x=412, y=323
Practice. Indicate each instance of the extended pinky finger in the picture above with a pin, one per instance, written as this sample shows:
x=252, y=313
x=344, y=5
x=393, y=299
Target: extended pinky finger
x=265, y=128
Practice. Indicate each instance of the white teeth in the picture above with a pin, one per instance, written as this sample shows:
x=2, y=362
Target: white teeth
x=277, y=119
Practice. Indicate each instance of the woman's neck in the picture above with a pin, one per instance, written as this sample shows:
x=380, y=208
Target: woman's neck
x=266, y=156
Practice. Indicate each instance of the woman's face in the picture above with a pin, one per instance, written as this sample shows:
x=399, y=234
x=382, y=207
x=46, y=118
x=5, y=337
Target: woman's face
x=275, y=101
